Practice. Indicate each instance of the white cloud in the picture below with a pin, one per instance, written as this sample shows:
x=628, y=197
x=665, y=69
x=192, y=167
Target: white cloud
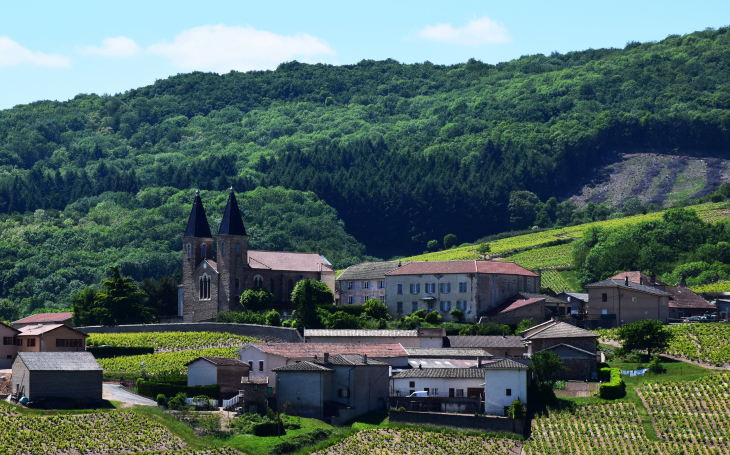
x=120, y=46
x=220, y=48
x=478, y=31
x=12, y=53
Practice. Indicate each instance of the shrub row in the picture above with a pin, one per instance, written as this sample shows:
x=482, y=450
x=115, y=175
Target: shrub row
x=297, y=442
x=153, y=388
x=615, y=388
x=108, y=352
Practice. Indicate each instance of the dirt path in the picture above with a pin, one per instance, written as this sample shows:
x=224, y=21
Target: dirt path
x=680, y=359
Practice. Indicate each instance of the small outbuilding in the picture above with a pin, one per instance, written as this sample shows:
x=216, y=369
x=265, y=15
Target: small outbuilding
x=227, y=373
x=253, y=394
x=45, y=375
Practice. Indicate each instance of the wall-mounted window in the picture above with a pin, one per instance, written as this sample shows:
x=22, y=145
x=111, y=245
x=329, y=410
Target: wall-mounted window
x=400, y=289
x=365, y=285
x=459, y=392
x=604, y=297
x=261, y=365
x=411, y=384
x=271, y=283
x=446, y=306
x=9, y=341
x=430, y=288
x=382, y=298
x=350, y=299
x=343, y=393
x=31, y=342
x=258, y=281
x=204, y=287
x=509, y=392
x=414, y=307
x=255, y=387
x=350, y=285
x=19, y=342
x=381, y=284
x=633, y=299
x=604, y=311
x=445, y=288
x=416, y=288
x=400, y=307
x=462, y=286
x=250, y=365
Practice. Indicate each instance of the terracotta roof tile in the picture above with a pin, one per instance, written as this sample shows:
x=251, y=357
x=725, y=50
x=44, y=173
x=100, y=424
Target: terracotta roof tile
x=32, y=330
x=682, y=297
x=310, y=350
x=638, y=278
x=349, y=360
x=255, y=380
x=282, y=260
x=358, y=333
x=449, y=373
x=561, y=330
x=45, y=317
x=511, y=305
x=622, y=284
x=435, y=267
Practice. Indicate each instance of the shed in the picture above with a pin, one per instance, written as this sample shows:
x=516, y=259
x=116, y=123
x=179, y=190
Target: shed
x=73, y=375
x=227, y=373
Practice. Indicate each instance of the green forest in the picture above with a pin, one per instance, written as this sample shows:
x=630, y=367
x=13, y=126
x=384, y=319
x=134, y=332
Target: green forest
x=373, y=158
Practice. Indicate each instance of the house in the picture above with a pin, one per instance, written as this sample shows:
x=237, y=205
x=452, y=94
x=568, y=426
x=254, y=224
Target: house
x=418, y=338
x=684, y=303
x=227, y=373
x=498, y=346
x=362, y=282
x=8, y=350
x=471, y=286
x=575, y=346
x=341, y=385
x=576, y=301
x=525, y=305
x=265, y=357
x=51, y=338
x=42, y=375
x=500, y=383
x=639, y=278
x=448, y=353
x=613, y=303
x=216, y=272
x=252, y=394
x=45, y=319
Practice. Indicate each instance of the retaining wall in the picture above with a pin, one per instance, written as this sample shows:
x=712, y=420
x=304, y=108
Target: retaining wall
x=461, y=421
x=261, y=332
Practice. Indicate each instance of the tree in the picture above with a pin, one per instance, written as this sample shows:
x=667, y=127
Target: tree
x=522, y=208
x=273, y=318
x=545, y=365
x=433, y=245
x=457, y=314
x=376, y=309
x=161, y=295
x=645, y=335
x=433, y=317
x=306, y=297
x=524, y=325
x=257, y=299
x=632, y=206
x=120, y=302
x=484, y=248
x=340, y=320
x=450, y=240
x=82, y=304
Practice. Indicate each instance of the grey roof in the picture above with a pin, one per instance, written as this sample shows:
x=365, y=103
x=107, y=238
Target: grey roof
x=358, y=333
x=561, y=330
x=304, y=366
x=455, y=373
x=485, y=341
x=548, y=299
x=443, y=363
x=452, y=352
x=232, y=223
x=622, y=284
x=368, y=271
x=59, y=361
x=571, y=347
x=576, y=295
x=198, y=222
x=349, y=360
x=505, y=364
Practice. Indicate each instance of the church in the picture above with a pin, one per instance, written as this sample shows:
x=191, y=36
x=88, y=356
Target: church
x=216, y=272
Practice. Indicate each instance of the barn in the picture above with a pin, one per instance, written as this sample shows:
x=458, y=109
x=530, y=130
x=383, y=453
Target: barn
x=41, y=375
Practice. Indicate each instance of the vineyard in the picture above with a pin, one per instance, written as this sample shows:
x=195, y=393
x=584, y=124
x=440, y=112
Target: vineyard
x=540, y=258
x=602, y=430
x=170, y=341
x=164, y=363
x=552, y=279
x=691, y=412
x=397, y=442
x=707, y=343
x=97, y=433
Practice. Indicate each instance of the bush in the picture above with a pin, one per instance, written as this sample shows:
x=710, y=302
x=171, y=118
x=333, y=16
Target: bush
x=655, y=365
x=161, y=400
x=267, y=429
x=109, y=352
x=433, y=318
x=154, y=388
x=419, y=314
x=273, y=318
x=457, y=314
x=615, y=388
x=297, y=442
x=177, y=403
x=401, y=409
x=516, y=410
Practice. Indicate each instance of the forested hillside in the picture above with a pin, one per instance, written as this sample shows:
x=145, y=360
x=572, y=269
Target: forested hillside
x=403, y=153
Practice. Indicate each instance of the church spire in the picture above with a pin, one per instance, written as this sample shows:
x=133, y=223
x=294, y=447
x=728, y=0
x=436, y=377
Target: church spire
x=232, y=223
x=198, y=223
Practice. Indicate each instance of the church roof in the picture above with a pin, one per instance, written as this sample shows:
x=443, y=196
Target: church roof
x=232, y=223
x=283, y=260
x=197, y=223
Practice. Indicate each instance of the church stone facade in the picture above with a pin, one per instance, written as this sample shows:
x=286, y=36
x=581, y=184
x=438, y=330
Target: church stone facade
x=216, y=272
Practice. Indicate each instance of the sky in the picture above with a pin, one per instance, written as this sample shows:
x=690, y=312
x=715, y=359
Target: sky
x=56, y=50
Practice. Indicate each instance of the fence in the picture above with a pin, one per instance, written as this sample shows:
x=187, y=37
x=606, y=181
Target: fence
x=201, y=403
x=228, y=403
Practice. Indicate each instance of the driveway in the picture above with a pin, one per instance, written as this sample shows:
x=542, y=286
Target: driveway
x=116, y=393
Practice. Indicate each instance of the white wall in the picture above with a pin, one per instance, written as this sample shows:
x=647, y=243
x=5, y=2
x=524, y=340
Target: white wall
x=443, y=385
x=201, y=372
x=392, y=297
x=496, y=384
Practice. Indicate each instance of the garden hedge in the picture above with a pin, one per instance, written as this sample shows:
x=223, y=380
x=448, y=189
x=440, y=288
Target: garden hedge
x=615, y=388
x=153, y=388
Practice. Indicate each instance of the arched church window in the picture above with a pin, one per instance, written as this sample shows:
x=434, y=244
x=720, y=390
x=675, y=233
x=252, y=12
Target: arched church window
x=238, y=249
x=258, y=281
x=237, y=283
x=202, y=249
x=223, y=248
x=201, y=287
x=271, y=284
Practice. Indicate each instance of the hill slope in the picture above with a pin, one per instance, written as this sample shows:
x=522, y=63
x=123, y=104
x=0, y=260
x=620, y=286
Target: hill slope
x=404, y=153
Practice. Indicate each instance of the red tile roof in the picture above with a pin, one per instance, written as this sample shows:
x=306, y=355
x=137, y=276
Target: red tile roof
x=309, y=350
x=435, y=267
x=45, y=317
x=32, y=330
x=511, y=305
x=682, y=297
x=638, y=278
x=282, y=260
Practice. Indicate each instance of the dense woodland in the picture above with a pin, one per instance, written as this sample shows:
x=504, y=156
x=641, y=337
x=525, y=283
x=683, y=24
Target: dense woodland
x=394, y=154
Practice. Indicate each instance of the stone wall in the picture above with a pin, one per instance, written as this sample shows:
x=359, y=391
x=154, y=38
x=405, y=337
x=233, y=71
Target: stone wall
x=261, y=332
x=460, y=421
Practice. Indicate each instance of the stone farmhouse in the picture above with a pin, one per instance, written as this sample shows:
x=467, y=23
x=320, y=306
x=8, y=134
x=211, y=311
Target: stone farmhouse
x=216, y=273
x=499, y=346
x=575, y=346
x=471, y=286
x=362, y=282
x=615, y=302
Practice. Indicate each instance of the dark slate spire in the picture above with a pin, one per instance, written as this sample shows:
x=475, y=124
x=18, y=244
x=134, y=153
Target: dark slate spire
x=232, y=223
x=198, y=223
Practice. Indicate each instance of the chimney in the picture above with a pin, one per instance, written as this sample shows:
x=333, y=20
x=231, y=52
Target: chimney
x=326, y=357
x=420, y=367
x=365, y=359
x=683, y=282
x=479, y=362
x=626, y=280
x=653, y=278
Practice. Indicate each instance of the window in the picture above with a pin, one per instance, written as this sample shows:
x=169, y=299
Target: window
x=31, y=342
x=459, y=392
x=430, y=306
x=415, y=288
x=365, y=285
x=60, y=343
x=400, y=289
x=604, y=297
x=445, y=288
x=237, y=283
x=410, y=392
x=258, y=281
x=509, y=392
x=435, y=392
x=451, y=393
x=633, y=299
x=250, y=365
x=414, y=307
x=343, y=393
x=425, y=389
x=411, y=383
x=350, y=285
x=255, y=387
x=462, y=286
x=188, y=250
x=10, y=356
x=202, y=249
x=604, y=311
x=291, y=286
x=446, y=306
x=238, y=249
x=8, y=341
x=350, y=299
x=261, y=365
x=461, y=305
x=400, y=307
x=381, y=284
x=430, y=288
x=271, y=283
x=19, y=341
x=362, y=299
x=382, y=298
x=204, y=284
x=223, y=248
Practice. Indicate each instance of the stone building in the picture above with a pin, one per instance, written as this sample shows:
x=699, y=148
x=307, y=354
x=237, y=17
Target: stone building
x=575, y=346
x=216, y=272
x=471, y=286
x=613, y=303
x=362, y=282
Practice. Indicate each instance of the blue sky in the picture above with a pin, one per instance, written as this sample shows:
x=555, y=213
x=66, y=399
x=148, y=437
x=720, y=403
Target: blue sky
x=55, y=50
